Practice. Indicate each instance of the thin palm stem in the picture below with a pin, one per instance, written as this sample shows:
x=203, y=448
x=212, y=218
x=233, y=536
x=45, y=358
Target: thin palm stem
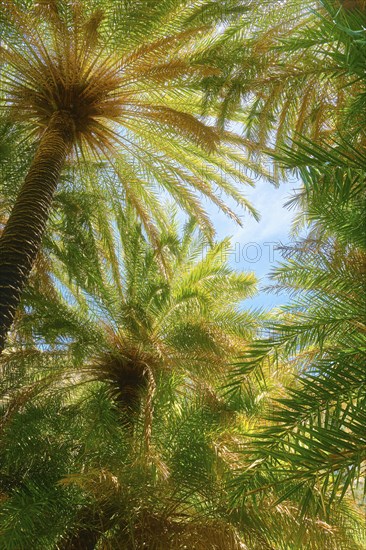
x=22, y=235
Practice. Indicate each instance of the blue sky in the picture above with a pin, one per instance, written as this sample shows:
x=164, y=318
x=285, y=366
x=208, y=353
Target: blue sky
x=253, y=245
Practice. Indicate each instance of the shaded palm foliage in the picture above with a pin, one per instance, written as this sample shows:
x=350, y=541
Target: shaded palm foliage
x=76, y=478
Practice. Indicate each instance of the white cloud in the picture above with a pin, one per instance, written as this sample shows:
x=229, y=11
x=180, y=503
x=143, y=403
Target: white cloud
x=273, y=227
x=275, y=219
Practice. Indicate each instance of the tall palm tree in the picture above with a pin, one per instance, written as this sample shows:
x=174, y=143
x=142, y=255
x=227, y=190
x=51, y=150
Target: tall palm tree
x=82, y=86
x=151, y=338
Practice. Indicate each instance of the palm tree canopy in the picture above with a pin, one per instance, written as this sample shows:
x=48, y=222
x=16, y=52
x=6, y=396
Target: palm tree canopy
x=138, y=405
x=131, y=108
x=178, y=303
x=319, y=439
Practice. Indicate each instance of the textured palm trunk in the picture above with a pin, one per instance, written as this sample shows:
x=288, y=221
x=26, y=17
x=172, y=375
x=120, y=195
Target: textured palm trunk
x=22, y=236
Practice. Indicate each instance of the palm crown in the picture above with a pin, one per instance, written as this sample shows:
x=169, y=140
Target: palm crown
x=176, y=309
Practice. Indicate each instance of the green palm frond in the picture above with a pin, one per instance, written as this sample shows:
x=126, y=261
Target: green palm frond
x=316, y=433
x=295, y=69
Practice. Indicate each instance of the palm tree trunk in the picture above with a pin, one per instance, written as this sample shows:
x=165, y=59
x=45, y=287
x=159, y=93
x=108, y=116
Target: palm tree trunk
x=23, y=233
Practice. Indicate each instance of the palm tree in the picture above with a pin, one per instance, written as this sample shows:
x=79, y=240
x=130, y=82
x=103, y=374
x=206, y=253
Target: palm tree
x=146, y=310
x=83, y=87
